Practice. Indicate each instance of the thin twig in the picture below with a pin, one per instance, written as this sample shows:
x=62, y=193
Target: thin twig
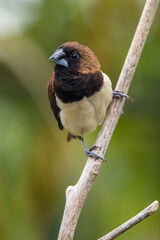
x=148, y=211
x=76, y=195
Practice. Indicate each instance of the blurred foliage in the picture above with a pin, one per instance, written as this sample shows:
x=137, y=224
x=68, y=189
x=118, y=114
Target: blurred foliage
x=36, y=162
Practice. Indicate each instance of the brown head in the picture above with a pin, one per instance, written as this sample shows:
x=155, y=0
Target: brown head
x=75, y=58
x=77, y=72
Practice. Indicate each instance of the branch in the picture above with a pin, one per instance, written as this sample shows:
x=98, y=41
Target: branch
x=148, y=211
x=76, y=195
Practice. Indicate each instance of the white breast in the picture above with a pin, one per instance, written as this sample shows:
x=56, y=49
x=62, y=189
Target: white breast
x=84, y=116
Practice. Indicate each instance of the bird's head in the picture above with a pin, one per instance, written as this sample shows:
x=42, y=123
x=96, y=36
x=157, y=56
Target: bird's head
x=75, y=58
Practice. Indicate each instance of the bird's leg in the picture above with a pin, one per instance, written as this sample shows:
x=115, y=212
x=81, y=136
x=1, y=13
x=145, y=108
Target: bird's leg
x=88, y=151
x=119, y=95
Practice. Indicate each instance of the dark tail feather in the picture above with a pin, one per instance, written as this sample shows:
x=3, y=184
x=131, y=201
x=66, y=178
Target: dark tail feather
x=70, y=136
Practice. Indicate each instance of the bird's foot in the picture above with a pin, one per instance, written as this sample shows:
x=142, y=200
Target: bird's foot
x=94, y=147
x=119, y=95
x=89, y=152
x=94, y=155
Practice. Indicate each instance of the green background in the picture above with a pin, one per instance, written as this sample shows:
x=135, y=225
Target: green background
x=36, y=162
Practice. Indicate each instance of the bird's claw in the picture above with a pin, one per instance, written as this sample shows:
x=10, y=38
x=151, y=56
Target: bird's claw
x=88, y=151
x=119, y=95
x=94, y=155
x=94, y=147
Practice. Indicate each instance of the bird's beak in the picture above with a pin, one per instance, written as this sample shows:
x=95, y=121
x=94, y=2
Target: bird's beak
x=58, y=57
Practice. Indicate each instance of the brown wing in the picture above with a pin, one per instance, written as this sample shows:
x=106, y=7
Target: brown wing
x=52, y=99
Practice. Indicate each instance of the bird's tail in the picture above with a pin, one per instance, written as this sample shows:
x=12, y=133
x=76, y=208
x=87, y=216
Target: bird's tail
x=70, y=136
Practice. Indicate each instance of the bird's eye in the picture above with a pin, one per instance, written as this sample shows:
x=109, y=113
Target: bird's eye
x=74, y=56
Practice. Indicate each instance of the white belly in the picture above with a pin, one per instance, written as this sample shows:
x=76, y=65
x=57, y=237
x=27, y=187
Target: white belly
x=84, y=116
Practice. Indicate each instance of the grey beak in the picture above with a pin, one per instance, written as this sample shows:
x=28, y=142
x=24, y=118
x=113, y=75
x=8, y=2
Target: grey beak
x=58, y=57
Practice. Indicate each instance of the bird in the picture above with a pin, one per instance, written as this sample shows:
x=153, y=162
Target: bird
x=79, y=92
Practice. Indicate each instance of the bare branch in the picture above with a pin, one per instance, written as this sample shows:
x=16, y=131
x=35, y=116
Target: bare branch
x=76, y=195
x=148, y=211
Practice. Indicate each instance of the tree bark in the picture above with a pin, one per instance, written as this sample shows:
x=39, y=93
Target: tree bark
x=148, y=211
